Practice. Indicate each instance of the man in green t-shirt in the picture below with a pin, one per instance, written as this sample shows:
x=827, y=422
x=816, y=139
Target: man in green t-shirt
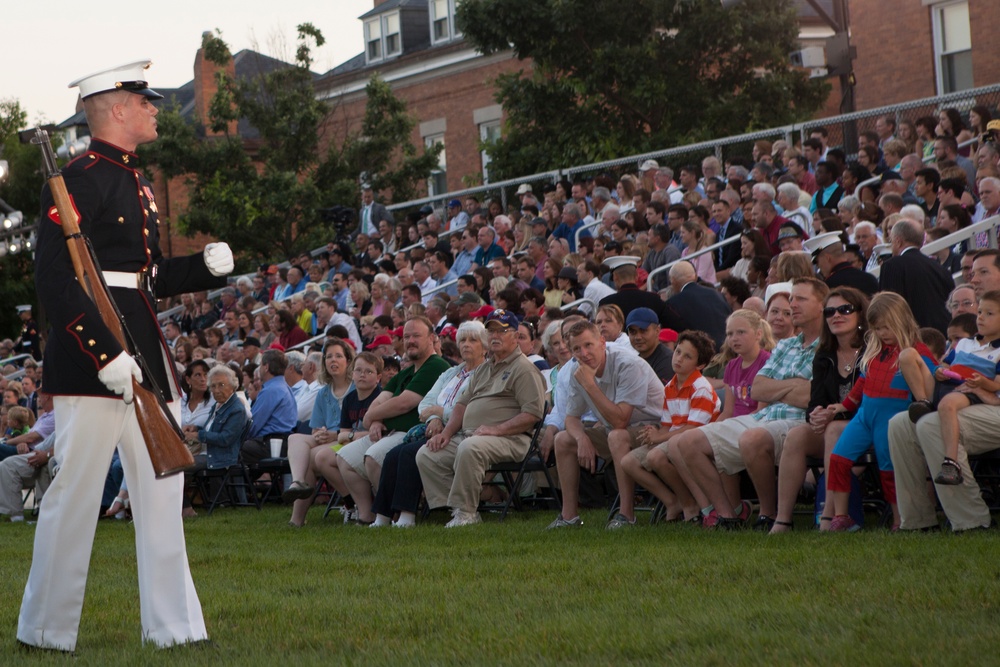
x=388, y=419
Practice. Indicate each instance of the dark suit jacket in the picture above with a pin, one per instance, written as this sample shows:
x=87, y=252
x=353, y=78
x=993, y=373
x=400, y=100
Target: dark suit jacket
x=923, y=282
x=630, y=297
x=701, y=308
x=847, y=275
x=727, y=257
x=379, y=212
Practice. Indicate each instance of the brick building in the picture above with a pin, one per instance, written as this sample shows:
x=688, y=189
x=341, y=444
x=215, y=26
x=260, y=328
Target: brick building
x=903, y=51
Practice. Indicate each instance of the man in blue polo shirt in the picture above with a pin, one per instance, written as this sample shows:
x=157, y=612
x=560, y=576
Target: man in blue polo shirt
x=488, y=249
x=274, y=410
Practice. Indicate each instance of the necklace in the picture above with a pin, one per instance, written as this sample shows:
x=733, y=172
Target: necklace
x=849, y=366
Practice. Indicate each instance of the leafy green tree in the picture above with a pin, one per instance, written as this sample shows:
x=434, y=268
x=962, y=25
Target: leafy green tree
x=610, y=78
x=21, y=192
x=265, y=198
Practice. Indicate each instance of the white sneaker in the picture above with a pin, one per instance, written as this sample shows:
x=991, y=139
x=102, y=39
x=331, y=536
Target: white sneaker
x=16, y=518
x=396, y=524
x=461, y=518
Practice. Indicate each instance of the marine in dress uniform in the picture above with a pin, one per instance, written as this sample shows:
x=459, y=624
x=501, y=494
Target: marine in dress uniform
x=29, y=342
x=835, y=266
x=90, y=374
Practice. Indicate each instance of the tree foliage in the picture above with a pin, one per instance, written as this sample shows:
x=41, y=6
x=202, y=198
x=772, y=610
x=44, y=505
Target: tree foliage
x=264, y=195
x=610, y=78
x=20, y=191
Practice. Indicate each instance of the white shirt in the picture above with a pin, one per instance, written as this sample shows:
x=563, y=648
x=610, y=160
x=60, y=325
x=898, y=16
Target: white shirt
x=595, y=291
x=306, y=399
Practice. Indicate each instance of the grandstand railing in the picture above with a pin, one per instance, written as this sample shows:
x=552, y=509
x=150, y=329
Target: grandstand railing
x=843, y=129
x=686, y=258
x=16, y=359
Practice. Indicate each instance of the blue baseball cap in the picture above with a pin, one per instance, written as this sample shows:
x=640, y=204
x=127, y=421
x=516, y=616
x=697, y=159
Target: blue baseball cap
x=642, y=318
x=504, y=318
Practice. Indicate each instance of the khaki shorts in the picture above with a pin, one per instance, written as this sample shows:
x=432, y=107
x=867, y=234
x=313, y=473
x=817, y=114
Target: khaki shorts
x=599, y=437
x=724, y=437
x=354, y=453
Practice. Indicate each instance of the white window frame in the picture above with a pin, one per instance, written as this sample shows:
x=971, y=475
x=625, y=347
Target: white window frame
x=439, y=175
x=484, y=157
x=383, y=39
x=938, y=40
x=453, y=32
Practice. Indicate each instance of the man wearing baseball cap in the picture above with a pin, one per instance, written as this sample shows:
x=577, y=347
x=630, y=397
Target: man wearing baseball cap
x=491, y=423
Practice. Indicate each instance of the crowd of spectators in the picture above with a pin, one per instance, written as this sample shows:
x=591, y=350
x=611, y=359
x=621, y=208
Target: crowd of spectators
x=410, y=357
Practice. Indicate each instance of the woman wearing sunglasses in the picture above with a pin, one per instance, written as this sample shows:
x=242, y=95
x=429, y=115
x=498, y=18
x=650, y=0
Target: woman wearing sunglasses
x=834, y=373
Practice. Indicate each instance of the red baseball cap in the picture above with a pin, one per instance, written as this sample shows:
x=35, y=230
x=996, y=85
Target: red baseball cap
x=379, y=341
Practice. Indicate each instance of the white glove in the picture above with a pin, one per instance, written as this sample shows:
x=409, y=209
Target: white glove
x=219, y=259
x=117, y=376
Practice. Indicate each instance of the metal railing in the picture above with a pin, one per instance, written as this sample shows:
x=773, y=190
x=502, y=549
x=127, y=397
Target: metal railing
x=843, y=131
x=699, y=253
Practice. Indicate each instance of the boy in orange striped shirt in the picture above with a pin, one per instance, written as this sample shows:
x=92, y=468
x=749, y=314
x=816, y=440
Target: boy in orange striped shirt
x=689, y=402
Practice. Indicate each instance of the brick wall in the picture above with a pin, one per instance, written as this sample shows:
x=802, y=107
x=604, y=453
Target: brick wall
x=895, y=56
x=984, y=15
x=453, y=99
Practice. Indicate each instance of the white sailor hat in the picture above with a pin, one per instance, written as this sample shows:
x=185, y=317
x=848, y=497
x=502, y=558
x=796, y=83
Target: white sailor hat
x=821, y=242
x=777, y=288
x=621, y=260
x=26, y=308
x=130, y=77
x=882, y=250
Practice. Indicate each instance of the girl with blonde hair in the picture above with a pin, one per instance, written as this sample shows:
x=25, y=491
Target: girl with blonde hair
x=895, y=364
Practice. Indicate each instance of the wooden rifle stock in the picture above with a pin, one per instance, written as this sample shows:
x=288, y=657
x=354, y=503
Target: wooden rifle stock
x=167, y=451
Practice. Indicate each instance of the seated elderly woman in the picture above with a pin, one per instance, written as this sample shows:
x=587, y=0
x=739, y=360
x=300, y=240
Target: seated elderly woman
x=399, y=486
x=222, y=433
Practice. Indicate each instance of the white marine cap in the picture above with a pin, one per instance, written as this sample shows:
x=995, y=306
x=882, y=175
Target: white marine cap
x=819, y=243
x=26, y=308
x=619, y=261
x=882, y=249
x=130, y=77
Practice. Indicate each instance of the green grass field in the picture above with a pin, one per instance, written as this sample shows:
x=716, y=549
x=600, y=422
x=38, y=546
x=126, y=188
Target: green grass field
x=514, y=594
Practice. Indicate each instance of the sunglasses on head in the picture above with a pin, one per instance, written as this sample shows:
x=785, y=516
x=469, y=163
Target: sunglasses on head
x=846, y=309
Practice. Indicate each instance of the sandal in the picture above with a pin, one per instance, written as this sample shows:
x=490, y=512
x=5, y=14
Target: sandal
x=118, y=507
x=781, y=527
x=297, y=491
x=951, y=473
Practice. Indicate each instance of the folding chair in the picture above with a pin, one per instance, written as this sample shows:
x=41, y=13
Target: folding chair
x=234, y=481
x=986, y=470
x=872, y=499
x=512, y=474
x=275, y=468
x=644, y=502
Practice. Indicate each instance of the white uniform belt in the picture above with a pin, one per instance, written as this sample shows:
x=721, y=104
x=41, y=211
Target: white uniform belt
x=123, y=279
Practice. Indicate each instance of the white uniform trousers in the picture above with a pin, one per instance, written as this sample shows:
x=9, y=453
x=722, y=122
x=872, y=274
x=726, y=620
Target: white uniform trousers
x=87, y=431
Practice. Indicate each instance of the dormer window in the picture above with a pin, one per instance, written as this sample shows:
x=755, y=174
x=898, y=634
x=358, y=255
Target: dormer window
x=443, y=21
x=382, y=37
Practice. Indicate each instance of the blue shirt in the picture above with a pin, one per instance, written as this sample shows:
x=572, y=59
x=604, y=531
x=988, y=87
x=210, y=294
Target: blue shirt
x=222, y=436
x=341, y=299
x=274, y=411
x=463, y=263
x=484, y=257
x=564, y=231
x=326, y=411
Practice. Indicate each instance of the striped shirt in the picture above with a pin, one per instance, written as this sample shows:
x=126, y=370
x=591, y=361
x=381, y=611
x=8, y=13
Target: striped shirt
x=695, y=403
